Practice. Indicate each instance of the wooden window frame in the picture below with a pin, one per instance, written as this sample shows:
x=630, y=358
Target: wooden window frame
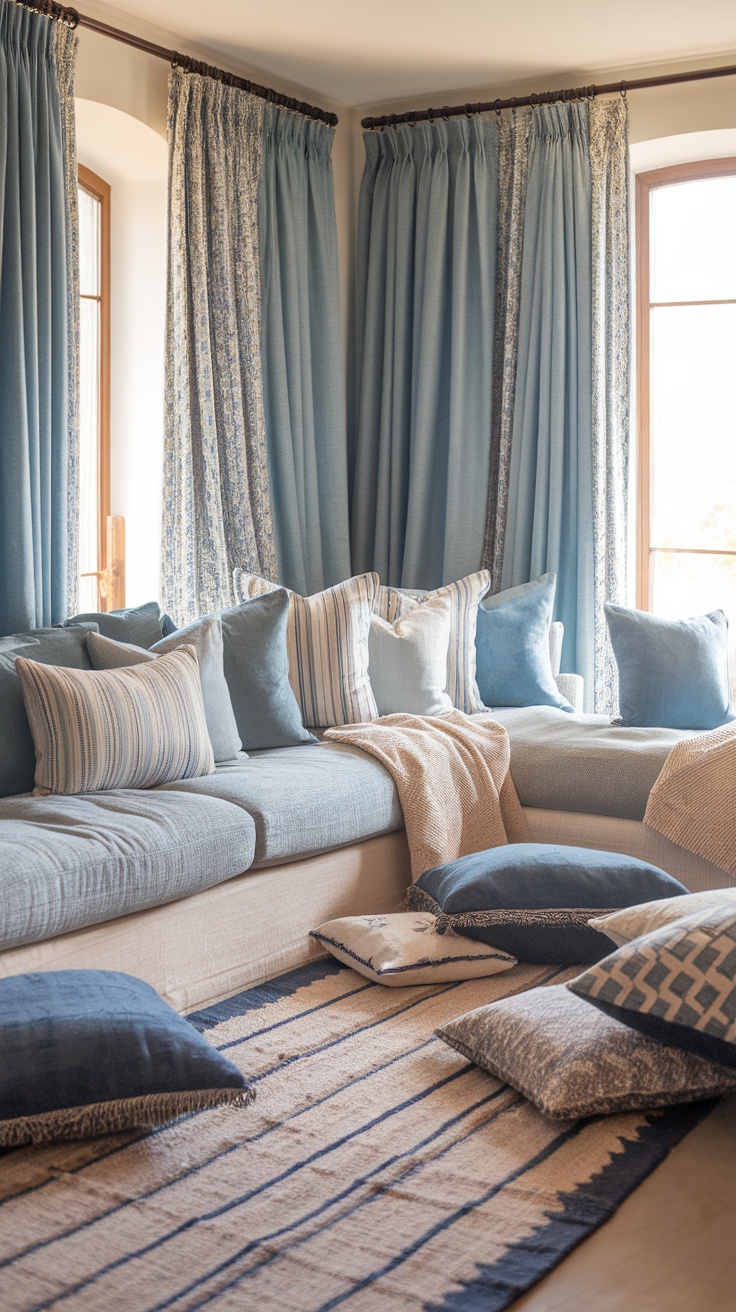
x=646, y=183
x=100, y=190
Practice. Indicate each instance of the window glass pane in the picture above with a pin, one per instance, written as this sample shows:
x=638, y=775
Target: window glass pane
x=693, y=252
x=684, y=585
x=89, y=244
x=89, y=420
x=693, y=426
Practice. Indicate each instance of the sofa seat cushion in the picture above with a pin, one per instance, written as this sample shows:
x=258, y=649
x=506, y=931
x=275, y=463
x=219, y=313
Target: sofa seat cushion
x=70, y=862
x=563, y=762
x=305, y=799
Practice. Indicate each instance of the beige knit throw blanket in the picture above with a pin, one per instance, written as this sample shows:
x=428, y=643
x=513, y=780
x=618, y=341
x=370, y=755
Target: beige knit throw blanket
x=452, y=776
x=693, y=802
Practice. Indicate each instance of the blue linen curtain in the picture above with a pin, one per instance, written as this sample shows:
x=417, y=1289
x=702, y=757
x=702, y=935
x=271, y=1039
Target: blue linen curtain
x=37, y=317
x=301, y=345
x=425, y=300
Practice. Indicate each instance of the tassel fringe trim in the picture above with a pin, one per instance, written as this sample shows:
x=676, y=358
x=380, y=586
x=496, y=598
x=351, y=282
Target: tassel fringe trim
x=559, y=917
x=122, y=1114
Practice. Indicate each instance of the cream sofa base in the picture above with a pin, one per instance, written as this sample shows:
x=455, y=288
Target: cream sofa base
x=249, y=929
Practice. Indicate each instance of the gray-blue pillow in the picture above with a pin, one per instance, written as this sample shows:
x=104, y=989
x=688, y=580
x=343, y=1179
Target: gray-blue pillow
x=89, y=1052
x=512, y=660
x=534, y=899
x=140, y=625
x=256, y=665
x=55, y=646
x=671, y=673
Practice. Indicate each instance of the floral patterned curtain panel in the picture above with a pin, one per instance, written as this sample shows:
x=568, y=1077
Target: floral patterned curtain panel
x=217, y=511
x=255, y=453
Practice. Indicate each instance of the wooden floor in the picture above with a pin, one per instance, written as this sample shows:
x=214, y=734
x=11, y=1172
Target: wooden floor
x=671, y=1247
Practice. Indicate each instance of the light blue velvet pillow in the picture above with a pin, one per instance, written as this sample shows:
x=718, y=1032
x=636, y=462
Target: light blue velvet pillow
x=671, y=673
x=256, y=663
x=512, y=661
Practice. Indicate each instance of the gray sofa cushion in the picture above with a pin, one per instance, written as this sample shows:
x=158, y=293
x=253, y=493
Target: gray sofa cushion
x=306, y=799
x=68, y=862
x=564, y=762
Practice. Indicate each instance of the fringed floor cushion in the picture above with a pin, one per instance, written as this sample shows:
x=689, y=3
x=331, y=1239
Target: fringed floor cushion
x=377, y=1170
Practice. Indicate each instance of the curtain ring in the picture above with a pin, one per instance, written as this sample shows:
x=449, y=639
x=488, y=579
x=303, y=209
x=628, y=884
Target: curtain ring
x=430, y=115
x=468, y=111
x=534, y=99
x=623, y=90
x=497, y=106
x=72, y=19
x=591, y=92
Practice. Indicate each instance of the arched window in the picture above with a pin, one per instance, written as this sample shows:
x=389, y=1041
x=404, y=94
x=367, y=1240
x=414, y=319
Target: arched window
x=686, y=383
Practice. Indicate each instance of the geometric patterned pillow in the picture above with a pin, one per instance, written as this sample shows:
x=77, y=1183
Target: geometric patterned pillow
x=464, y=597
x=677, y=984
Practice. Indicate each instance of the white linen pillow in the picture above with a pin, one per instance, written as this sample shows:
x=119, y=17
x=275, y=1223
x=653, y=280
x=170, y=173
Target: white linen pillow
x=404, y=949
x=130, y=728
x=464, y=597
x=632, y=922
x=327, y=639
x=408, y=660
x=205, y=636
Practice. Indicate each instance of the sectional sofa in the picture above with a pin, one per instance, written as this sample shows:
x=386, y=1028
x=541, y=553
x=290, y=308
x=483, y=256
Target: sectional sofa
x=206, y=886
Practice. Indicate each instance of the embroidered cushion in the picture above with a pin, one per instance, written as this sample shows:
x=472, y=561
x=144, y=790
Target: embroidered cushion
x=327, y=638
x=512, y=647
x=571, y=1065
x=139, y=624
x=677, y=984
x=89, y=1052
x=405, y=949
x=534, y=900
x=55, y=646
x=464, y=597
x=408, y=660
x=632, y=922
x=205, y=636
x=672, y=673
x=130, y=728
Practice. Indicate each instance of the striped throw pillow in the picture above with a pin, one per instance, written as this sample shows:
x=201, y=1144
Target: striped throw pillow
x=327, y=637
x=464, y=598
x=130, y=728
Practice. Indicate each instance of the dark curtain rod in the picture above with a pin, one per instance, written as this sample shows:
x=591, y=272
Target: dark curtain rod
x=74, y=19
x=546, y=97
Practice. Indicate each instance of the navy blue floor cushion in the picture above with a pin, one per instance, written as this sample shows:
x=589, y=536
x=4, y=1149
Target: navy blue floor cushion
x=534, y=899
x=88, y=1052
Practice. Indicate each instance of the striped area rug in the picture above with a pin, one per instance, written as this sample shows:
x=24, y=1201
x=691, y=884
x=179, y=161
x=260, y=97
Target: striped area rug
x=377, y=1170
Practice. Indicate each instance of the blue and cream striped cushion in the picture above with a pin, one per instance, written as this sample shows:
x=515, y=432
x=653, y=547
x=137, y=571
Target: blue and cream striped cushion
x=464, y=597
x=327, y=637
x=130, y=728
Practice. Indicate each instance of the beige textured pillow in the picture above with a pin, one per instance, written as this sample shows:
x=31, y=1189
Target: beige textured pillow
x=327, y=637
x=129, y=728
x=405, y=949
x=630, y=923
x=571, y=1060
x=408, y=660
x=464, y=597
